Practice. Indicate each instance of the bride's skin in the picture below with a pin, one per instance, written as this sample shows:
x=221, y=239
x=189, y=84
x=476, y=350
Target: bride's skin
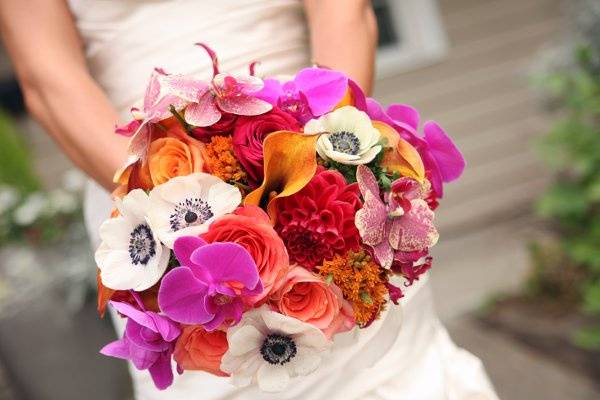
x=46, y=51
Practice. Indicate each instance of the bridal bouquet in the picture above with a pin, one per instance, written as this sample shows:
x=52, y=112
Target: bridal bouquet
x=257, y=219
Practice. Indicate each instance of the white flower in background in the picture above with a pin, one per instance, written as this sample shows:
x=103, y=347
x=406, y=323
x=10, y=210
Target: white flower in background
x=130, y=255
x=350, y=139
x=269, y=348
x=62, y=201
x=74, y=181
x=9, y=196
x=186, y=205
x=32, y=208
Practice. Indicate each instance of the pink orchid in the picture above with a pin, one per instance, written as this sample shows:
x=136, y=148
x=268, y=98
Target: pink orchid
x=224, y=94
x=155, y=107
x=401, y=222
x=441, y=157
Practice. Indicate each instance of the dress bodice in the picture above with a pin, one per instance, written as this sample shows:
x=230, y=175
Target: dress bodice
x=125, y=39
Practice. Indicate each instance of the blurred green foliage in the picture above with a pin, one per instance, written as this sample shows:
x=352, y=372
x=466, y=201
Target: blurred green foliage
x=572, y=202
x=15, y=166
x=28, y=213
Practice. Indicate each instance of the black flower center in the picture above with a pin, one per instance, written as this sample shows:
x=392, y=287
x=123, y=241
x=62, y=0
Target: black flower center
x=142, y=246
x=345, y=142
x=193, y=211
x=278, y=349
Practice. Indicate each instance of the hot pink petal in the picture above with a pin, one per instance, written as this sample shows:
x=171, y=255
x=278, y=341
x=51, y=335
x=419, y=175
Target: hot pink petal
x=405, y=114
x=449, y=159
x=181, y=297
x=161, y=371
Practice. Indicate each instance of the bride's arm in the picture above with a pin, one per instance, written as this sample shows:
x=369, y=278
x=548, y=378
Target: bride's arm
x=344, y=37
x=59, y=92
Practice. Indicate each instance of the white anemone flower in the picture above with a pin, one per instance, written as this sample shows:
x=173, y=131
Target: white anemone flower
x=130, y=255
x=269, y=348
x=350, y=136
x=186, y=205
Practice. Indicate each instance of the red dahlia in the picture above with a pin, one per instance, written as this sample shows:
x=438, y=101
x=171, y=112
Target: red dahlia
x=318, y=221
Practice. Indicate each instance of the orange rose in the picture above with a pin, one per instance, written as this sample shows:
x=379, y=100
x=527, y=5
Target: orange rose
x=305, y=296
x=197, y=349
x=249, y=227
x=172, y=152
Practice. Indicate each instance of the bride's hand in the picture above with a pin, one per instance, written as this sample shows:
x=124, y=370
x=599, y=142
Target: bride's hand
x=43, y=43
x=344, y=37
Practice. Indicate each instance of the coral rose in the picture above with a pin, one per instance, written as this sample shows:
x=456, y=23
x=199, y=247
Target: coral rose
x=249, y=135
x=197, y=349
x=305, y=296
x=249, y=227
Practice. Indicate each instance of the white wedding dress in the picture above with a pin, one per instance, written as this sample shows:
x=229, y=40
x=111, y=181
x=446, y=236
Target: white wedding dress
x=407, y=354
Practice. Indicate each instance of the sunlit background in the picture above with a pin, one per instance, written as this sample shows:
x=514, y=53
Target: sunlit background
x=516, y=274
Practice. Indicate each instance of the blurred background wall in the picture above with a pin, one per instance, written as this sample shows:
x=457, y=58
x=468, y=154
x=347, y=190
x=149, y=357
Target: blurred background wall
x=468, y=64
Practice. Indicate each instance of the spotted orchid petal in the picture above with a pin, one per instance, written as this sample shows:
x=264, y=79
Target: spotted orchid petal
x=366, y=181
x=243, y=104
x=370, y=219
x=185, y=87
x=204, y=112
x=414, y=230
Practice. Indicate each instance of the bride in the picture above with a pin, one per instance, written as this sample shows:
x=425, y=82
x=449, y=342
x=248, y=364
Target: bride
x=83, y=63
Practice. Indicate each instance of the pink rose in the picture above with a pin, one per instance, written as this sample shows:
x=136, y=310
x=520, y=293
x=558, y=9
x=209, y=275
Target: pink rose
x=305, y=296
x=248, y=137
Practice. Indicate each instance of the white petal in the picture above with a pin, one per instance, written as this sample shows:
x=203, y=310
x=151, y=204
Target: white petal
x=115, y=232
x=242, y=369
x=154, y=270
x=313, y=338
x=314, y=126
x=117, y=272
x=272, y=378
x=276, y=322
x=306, y=361
x=367, y=157
x=342, y=157
x=135, y=204
x=247, y=338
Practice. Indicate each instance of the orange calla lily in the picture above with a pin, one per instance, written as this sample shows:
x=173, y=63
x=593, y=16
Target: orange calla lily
x=290, y=162
x=400, y=156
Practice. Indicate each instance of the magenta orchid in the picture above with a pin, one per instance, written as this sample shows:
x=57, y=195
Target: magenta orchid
x=224, y=94
x=440, y=155
x=312, y=93
x=402, y=222
x=207, y=289
x=148, y=341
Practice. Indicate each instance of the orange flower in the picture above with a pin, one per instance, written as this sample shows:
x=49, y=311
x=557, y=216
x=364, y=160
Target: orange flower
x=290, y=161
x=362, y=282
x=197, y=349
x=221, y=161
x=399, y=155
x=307, y=297
x=170, y=152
